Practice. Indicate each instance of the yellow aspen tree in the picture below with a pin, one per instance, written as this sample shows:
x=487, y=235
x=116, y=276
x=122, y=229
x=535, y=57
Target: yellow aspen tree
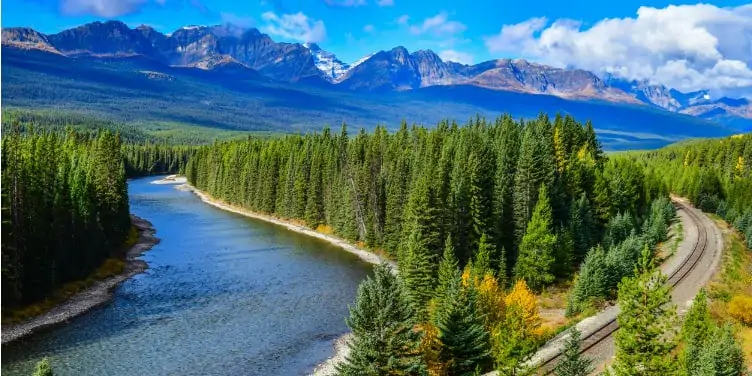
x=527, y=304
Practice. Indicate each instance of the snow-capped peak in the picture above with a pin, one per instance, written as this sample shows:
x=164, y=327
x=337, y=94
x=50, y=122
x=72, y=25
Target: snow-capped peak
x=363, y=59
x=327, y=62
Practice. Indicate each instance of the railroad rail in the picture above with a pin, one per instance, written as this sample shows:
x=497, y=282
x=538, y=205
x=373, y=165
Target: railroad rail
x=607, y=329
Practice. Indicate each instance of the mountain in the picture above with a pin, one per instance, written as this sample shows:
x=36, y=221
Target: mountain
x=225, y=59
x=214, y=47
x=327, y=62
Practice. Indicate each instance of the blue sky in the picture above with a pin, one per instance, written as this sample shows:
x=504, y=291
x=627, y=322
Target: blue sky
x=571, y=33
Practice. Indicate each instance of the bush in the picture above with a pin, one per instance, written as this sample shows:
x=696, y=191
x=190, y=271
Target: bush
x=740, y=308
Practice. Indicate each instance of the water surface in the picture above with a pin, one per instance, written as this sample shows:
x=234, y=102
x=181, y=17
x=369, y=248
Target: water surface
x=223, y=295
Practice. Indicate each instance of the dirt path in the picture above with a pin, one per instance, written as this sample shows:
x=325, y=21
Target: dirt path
x=97, y=295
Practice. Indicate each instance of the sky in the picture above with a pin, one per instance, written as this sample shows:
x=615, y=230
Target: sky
x=685, y=45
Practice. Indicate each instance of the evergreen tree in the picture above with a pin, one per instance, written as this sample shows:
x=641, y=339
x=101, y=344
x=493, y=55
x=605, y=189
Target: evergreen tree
x=448, y=268
x=695, y=332
x=465, y=345
x=535, y=263
x=721, y=356
x=574, y=363
x=417, y=269
x=643, y=343
x=382, y=318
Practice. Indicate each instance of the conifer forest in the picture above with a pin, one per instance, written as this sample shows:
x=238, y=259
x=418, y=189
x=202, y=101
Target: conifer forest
x=481, y=218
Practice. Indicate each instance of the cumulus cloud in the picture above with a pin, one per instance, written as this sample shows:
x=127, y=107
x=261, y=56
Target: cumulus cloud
x=439, y=24
x=688, y=47
x=385, y=3
x=296, y=26
x=456, y=56
x=345, y=3
x=101, y=8
x=236, y=20
x=402, y=20
x=368, y=28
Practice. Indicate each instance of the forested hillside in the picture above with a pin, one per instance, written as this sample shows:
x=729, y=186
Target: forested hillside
x=716, y=175
x=513, y=204
x=64, y=209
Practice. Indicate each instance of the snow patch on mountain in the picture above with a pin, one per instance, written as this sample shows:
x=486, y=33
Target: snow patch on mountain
x=327, y=62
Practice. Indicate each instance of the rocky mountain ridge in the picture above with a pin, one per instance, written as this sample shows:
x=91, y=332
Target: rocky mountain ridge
x=232, y=48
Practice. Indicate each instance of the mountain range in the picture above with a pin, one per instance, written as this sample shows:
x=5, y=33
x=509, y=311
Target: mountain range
x=229, y=77
x=223, y=46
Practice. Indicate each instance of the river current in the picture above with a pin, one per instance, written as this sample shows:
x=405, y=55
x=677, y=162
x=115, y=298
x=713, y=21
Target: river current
x=223, y=295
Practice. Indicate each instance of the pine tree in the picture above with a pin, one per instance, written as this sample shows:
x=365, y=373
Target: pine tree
x=382, y=318
x=482, y=261
x=536, y=260
x=644, y=343
x=574, y=363
x=723, y=354
x=43, y=368
x=465, y=345
x=448, y=267
x=417, y=269
x=695, y=332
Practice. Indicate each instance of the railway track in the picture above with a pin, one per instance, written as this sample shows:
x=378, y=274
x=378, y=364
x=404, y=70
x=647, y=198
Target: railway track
x=607, y=329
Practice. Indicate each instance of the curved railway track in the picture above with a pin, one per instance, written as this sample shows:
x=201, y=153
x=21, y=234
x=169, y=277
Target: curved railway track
x=607, y=329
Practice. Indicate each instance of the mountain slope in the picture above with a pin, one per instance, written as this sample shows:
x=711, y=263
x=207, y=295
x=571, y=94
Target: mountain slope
x=140, y=89
x=224, y=46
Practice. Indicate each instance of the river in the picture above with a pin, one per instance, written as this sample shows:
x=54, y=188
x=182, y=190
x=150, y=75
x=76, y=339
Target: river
x=223, y=295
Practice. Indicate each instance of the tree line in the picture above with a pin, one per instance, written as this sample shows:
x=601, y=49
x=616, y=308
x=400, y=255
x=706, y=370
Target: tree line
x=715, y=174
x=478, y=216
x=64, y=209
x=149, y=158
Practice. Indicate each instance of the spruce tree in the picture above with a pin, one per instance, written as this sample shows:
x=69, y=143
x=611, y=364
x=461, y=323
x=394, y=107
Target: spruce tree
x=465, y=345
x=695, y=332
x=574, y=363
x=644, y=343
x=384, y=340
x=722, y=354
x=448, y=267
x=536, y=259
x=417, y=269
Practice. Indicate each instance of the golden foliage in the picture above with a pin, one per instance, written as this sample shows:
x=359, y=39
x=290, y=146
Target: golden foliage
x=526, y=305
x=430, y=347
x=324, y=229
x=740, y=308
x=491, y=301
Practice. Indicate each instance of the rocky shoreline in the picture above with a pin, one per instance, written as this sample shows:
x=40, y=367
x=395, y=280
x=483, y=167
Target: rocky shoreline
x=98, y=294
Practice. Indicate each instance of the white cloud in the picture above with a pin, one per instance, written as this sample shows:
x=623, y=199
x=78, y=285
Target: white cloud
x=385, y=3
x=296, y=26
x=456, y=56
x=439, y=25
x=403, y=19
x=236, y=20
x=345, y=3
x=688, y=47
x=102, y=8
x=368, y=28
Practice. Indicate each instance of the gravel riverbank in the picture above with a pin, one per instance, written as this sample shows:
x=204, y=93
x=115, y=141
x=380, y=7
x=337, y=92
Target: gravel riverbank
x=341, y=349
x=98, y=294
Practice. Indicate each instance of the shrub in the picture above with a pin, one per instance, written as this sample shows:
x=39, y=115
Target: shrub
x=740, y=308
